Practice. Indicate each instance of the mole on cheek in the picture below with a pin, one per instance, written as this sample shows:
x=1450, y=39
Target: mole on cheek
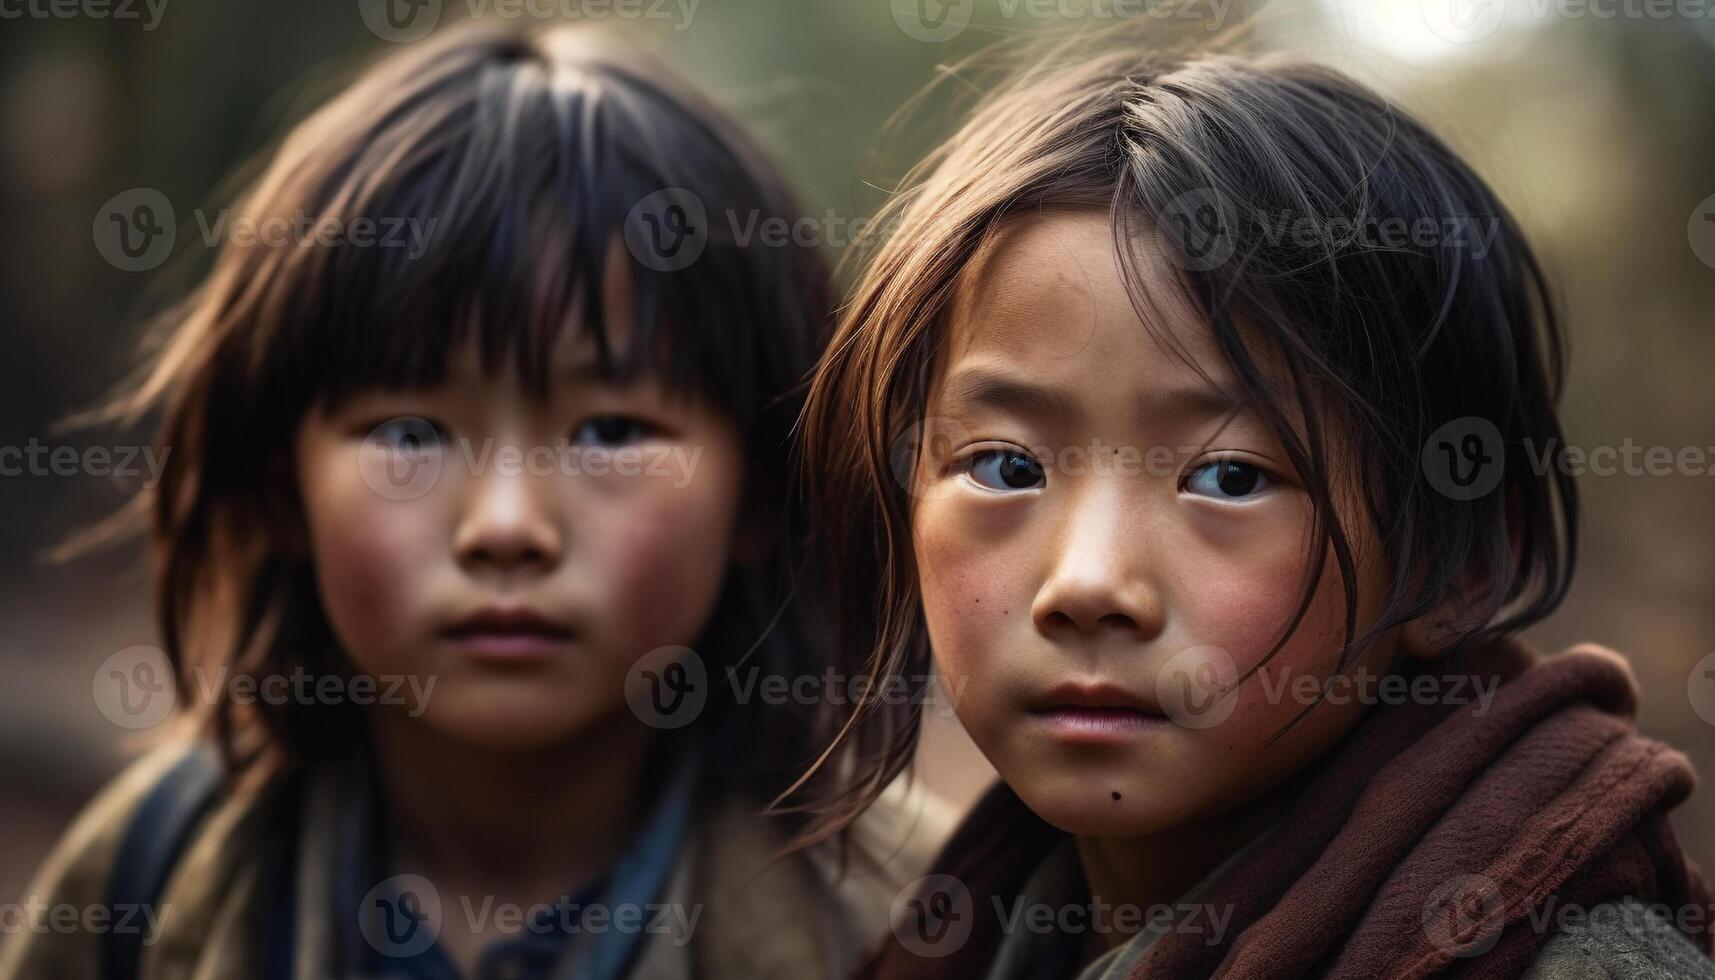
x=1116, y=794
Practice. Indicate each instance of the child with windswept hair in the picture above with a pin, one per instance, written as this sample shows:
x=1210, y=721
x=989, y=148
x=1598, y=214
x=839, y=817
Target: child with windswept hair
x=390, y=464
x=1172, y=422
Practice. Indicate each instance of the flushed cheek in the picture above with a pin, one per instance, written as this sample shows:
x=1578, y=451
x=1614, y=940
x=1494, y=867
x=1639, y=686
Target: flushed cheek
x=370, y=565
x=658, y=567
x=976, y=597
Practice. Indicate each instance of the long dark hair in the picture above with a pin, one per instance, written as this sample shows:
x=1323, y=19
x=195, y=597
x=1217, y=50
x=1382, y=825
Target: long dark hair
x=529, y=151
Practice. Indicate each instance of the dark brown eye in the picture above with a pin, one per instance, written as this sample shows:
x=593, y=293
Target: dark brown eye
x=1006, y=469
x=1227, y=479
x=609, y=430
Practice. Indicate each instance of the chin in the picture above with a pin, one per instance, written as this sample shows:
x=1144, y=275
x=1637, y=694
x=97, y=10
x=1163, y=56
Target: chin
x=1083, y=804
x=507, y=724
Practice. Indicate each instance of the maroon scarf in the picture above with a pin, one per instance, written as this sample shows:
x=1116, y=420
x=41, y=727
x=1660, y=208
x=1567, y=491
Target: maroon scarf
x=1423, y=844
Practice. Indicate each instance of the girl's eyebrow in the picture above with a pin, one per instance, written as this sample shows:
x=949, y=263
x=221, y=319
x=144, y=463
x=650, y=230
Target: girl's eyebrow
x=974, y=388
x=977, y=387
x=1194, y=402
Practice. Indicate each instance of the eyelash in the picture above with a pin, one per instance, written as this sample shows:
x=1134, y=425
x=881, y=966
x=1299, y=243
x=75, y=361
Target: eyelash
x=424, y=428
x=640, y=428
x=1030, y=467
x=1024, y=463
x=1220, y=466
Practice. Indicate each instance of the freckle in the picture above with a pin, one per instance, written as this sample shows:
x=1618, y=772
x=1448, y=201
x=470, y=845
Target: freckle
x=1116, y=794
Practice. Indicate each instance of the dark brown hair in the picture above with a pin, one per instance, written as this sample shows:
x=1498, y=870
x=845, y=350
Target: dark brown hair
x=528, y=149
x=1380, y=344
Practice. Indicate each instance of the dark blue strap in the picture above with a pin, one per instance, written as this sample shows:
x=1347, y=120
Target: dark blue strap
x=158, y=833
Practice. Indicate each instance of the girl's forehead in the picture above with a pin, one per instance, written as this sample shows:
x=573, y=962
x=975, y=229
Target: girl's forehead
x=1049, y=292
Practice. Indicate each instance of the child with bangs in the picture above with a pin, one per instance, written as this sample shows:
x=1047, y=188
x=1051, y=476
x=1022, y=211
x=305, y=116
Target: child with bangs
x=1105, y=435
x=537, y=467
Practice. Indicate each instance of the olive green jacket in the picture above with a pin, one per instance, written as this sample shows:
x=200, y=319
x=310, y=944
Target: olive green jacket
x=760, y=915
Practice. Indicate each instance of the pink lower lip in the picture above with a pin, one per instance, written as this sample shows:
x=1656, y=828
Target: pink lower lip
x=510, y=647
x=1082, y=723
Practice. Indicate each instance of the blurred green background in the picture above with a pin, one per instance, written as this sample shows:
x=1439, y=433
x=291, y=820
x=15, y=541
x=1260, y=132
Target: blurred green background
x=1599, y=131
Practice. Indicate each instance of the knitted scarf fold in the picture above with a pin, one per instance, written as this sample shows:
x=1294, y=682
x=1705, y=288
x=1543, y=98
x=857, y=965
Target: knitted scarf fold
x=1434, y=839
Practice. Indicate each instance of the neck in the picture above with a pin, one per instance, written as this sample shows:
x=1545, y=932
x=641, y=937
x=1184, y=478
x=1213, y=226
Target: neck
x=531, y=823
x=1156, y=870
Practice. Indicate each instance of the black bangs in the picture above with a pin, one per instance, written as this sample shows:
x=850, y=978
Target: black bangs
x=535, y=186
x=508, y=187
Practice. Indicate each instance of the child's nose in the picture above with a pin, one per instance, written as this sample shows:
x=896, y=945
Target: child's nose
x=506, y=527
x=1099, y=581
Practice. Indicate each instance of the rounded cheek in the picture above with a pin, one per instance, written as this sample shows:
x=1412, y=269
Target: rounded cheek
x=372, y=559
x=658, y=557
x=975, y=593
